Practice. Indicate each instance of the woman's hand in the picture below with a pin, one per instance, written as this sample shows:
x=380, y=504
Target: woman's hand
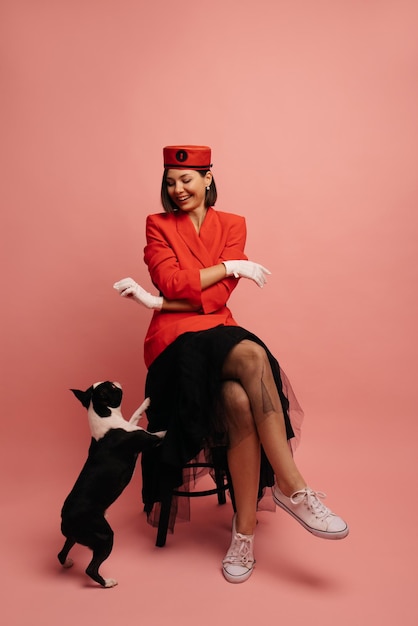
x=128, y=288
x=247, y=269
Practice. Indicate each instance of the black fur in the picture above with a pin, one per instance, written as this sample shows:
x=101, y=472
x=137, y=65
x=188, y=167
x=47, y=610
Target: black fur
x=106, y=472
x=103, y=396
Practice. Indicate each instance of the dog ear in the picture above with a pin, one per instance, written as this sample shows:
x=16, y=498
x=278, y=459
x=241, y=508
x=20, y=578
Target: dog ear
x=83, y=396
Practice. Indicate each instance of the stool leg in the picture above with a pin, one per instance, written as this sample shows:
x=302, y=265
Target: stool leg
x=231, y=489
x=220, y=485
x=164, y=519
x=220, y=468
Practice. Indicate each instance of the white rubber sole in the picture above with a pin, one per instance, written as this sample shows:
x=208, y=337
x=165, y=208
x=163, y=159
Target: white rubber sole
x=339, y=534
x=237, y=579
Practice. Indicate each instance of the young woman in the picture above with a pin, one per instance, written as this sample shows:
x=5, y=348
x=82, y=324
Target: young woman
x=210, y=380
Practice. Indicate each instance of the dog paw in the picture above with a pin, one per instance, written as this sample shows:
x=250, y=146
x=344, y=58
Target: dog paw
x=110, y=582
x=68, y=563
x=137, y=414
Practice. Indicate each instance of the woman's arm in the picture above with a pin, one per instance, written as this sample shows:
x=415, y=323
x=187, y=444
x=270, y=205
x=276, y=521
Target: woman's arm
x=211, y=275
x=128, y=288
x=178, y=306
x=206, y=289
x=208, y=276
x=173, y=266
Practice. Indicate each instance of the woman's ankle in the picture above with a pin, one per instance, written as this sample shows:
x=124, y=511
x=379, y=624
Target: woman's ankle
x=289, y=487
x=245, y=525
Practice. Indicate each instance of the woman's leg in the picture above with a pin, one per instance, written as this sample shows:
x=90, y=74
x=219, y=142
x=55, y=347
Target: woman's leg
x=244, y=468
x=248, y=363
x=243, y=454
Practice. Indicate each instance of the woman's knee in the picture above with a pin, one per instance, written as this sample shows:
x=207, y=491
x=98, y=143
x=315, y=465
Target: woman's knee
x=234, y=398
x=247, y=357
x=237, y=412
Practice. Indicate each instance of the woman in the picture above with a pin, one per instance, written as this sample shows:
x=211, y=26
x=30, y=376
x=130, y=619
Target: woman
x=208, y=378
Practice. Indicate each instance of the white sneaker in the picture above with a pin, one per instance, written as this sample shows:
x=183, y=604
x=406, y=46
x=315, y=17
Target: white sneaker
x=306, y=507
x=239, y=561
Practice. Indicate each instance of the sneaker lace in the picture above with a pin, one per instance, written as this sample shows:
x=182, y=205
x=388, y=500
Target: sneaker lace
x=240, y=551
x=312, y=501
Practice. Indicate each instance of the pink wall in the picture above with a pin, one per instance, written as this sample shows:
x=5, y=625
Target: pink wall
x=310, y=108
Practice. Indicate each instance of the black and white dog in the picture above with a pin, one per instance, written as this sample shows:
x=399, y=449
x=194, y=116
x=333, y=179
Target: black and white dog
x=112, y=455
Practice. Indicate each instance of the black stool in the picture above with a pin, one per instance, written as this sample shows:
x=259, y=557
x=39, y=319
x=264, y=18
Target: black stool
x=222, y=480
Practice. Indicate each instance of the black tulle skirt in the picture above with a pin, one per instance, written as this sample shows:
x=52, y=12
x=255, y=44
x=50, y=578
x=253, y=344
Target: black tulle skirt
x=184, y=384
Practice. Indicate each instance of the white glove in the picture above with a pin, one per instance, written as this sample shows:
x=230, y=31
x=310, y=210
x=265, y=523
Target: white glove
x=247, y=269
x=128, y=288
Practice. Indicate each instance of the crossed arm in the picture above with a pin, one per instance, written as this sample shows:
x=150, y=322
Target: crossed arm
x=209, y=276
x=183, y=290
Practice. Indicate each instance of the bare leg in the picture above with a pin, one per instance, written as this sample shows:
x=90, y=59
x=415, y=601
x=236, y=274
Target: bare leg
x=248, y=363
x=243, y=454
x=244, y=467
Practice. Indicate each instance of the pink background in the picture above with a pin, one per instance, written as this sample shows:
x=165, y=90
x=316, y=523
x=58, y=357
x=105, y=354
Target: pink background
x=310, y=108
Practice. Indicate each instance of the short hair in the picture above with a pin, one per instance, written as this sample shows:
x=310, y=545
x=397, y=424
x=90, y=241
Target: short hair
x=171, y=207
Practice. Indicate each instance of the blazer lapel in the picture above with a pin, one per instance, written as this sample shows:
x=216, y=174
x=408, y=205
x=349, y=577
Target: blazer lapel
x=212, y=235
x=198, y=245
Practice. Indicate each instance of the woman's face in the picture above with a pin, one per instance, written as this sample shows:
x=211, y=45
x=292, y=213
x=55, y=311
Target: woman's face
x=187, y=188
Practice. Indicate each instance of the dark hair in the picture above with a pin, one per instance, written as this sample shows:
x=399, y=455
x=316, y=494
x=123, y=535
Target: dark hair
x=171, y=207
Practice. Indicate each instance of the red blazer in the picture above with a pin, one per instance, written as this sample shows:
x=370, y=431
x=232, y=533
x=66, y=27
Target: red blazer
x=174, y=254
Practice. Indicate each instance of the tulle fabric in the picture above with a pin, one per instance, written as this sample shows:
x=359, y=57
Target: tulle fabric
x=184, y=385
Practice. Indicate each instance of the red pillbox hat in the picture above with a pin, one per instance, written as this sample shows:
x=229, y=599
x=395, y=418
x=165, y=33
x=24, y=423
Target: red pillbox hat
x=187, y=157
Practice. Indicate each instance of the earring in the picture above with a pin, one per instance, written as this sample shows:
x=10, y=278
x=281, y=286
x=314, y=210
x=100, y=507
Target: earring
x=207, y=188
